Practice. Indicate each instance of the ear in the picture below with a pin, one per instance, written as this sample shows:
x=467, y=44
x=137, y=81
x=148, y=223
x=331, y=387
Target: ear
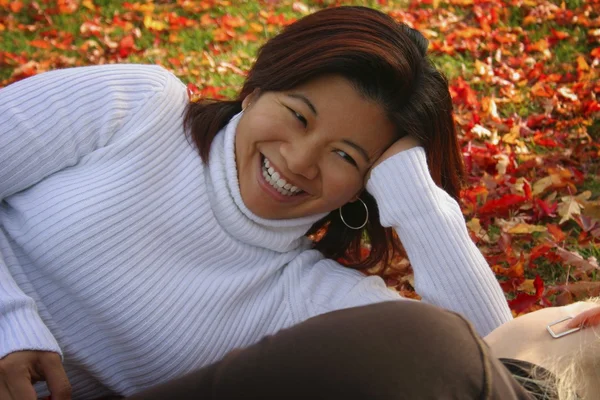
x=250, y=98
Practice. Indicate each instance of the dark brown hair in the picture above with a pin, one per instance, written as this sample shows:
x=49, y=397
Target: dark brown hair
x=386, y=62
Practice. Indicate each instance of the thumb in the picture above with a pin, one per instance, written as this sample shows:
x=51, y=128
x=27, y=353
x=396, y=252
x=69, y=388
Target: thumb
x=589, y=317
x=56, y=378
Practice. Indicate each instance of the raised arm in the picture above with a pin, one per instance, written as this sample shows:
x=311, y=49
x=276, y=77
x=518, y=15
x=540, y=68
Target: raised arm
x=450, y=271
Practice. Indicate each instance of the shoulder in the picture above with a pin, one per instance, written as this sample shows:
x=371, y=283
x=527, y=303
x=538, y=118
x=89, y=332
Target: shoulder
x=138, y=79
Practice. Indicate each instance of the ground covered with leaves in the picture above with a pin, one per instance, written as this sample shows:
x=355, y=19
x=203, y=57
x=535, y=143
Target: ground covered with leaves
x=524, y=76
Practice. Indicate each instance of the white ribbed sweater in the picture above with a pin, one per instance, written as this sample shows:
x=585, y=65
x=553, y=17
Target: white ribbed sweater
x=120, y=250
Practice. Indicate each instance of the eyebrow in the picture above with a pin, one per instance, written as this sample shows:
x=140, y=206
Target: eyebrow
x=310, y=105
x=305, y=100
x=362, y=151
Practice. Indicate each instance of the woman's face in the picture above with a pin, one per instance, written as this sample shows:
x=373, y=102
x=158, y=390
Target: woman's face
x=307, y=150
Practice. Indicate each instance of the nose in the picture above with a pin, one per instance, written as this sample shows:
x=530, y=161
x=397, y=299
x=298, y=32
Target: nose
x=301, y=159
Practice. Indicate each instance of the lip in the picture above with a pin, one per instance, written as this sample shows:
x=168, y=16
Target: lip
x=270, y=190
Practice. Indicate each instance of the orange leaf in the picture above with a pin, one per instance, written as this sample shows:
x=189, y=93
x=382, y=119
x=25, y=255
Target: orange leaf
x=40, y=44
x=16, y=6
x=542, y=89
x=582, y=65
x=514, y=271
x=67, y=6
x=206, y=20
x=540, y=46
x=556, y=232
x=596, y=52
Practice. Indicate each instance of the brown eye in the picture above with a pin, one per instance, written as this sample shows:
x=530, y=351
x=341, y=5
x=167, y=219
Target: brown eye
x=346, y=157
x=299, y=117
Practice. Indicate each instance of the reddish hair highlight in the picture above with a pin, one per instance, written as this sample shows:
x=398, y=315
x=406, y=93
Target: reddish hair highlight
x=386, y=62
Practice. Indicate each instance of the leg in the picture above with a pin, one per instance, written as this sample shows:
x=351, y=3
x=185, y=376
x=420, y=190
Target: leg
x=392, y=350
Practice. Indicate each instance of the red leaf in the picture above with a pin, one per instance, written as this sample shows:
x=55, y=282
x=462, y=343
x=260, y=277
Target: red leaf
x=524, y=301
x=541, y=250
x=126, y=46
x=462, y=93
x=544, y=209
x=503, y=205
x=527, y=190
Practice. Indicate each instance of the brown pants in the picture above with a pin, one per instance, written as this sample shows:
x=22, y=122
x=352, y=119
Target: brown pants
x=392, y=350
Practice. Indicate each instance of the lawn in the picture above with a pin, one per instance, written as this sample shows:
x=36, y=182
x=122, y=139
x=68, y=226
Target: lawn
x=524, y=76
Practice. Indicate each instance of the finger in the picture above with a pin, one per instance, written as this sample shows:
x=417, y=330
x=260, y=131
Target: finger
x=56, y=377
x=589, y=317
x=20, y=388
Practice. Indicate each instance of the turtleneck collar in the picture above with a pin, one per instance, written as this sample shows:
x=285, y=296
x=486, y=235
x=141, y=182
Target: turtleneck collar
x=232, y=214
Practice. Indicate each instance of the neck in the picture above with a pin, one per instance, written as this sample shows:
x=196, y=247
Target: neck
x=230, y=210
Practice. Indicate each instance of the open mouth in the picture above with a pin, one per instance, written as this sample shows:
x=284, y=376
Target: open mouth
x=273, y=178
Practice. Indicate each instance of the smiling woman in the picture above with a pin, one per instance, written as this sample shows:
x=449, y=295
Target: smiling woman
x=384, y=88
x=131, y=255
x=320, y=137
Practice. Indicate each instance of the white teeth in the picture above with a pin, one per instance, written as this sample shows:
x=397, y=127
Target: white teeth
x=275, y=180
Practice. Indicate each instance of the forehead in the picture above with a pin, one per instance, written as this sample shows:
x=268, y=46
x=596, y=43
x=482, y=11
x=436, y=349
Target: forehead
x=343, y=112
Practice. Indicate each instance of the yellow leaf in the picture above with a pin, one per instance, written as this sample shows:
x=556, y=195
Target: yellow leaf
x=541, y=185
x=571, y=206
x=153, y=24
x=513, y=135
x=584, y=196
x=254, y=27
x=89, y=4
x=582, y=65
x=502, y=164
x=475, y=226
x=522, y=228
x=556, y=177
x=147, y=8
x=527, y=286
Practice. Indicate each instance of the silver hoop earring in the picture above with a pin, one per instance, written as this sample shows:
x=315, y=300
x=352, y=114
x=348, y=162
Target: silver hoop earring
x=366, y=218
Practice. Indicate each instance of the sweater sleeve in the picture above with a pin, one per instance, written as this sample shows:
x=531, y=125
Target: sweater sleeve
x=48, y=123
x=449, y=270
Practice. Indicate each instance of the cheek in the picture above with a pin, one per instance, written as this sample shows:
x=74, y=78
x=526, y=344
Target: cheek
x=340, y=186
x=261, y=127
